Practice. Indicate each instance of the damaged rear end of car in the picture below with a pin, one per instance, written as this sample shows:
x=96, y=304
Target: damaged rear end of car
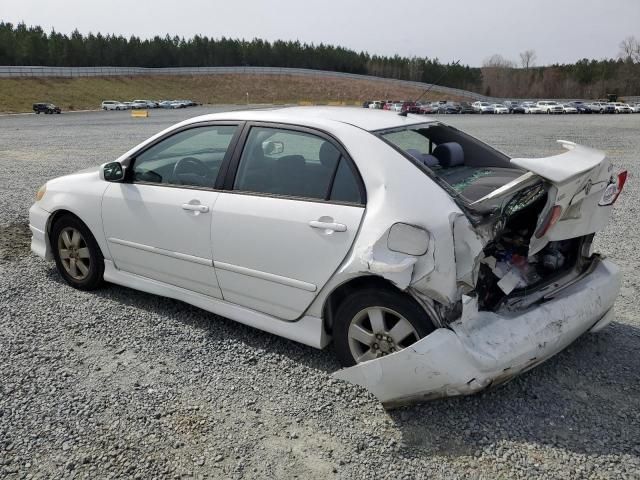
x=528, y=282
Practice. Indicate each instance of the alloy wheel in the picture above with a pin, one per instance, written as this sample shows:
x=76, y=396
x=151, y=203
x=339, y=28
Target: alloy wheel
x=378, y=331
x=74, y=253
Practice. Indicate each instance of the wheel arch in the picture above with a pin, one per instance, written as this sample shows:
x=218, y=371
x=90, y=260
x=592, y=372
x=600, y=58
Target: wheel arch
x=56, y=215
x=341, y=292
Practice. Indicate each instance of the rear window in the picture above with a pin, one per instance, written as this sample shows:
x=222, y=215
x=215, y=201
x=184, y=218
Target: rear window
x=470, y=168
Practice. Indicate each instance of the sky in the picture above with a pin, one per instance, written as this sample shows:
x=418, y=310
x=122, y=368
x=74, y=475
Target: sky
x=560, y=31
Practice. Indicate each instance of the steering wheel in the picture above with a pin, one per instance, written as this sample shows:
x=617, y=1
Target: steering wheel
x=191, y=165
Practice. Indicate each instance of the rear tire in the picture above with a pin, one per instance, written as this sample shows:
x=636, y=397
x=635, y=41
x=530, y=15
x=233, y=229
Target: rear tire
x=372, y=323
x=77, y=254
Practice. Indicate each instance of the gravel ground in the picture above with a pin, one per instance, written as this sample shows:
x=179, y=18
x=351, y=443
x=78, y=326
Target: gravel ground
x=118, y=383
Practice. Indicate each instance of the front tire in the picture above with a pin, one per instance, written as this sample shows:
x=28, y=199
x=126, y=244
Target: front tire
x=77, y=254
x=373, y=323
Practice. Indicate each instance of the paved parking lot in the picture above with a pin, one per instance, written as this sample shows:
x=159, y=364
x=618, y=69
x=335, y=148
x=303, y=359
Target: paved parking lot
x=118, y=383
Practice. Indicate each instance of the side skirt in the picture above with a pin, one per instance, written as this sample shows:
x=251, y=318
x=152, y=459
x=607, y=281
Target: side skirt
x=307, y=330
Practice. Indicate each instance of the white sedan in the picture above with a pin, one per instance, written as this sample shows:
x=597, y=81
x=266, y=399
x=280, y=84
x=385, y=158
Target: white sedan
x=483, y=107
x=112, y=105
x=436, y=264
x=499, y=108
x=569, y=108
x=530, y=107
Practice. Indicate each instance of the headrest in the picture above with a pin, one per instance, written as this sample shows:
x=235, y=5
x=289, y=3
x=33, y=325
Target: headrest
x=328, y=155
x=291, y=163
x=449, y=154
x=425, y=158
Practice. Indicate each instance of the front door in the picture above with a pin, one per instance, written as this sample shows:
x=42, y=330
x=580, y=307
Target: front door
x=158, y=222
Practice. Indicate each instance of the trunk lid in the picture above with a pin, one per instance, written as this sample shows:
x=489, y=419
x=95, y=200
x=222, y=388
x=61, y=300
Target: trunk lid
x=579, y=201
x=580, y=195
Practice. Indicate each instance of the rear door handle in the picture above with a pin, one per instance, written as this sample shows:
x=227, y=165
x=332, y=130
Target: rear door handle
x=195, y=207
x=336, y=227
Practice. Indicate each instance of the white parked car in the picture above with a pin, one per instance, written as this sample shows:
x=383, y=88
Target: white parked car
x=530, y=107
x=483, y=107
x=372, y=230
x=622, y=107
x=150, y=103
x=601, y=107
x=569, y=108
x=113, y=105
x=376, y=105
x=142, y=104
x=549, y=106
x=636, y=108
x=499, y=108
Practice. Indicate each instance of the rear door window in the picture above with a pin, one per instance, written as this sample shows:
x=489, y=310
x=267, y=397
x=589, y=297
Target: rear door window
x=297, y=164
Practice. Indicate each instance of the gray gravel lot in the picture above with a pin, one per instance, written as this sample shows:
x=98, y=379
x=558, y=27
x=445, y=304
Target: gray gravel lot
x=118, y=383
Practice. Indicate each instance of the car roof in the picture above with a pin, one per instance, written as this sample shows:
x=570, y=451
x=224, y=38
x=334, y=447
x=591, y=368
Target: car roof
x=363, y=118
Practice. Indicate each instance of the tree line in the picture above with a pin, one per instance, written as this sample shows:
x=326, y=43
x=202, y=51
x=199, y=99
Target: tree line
x=31, y=45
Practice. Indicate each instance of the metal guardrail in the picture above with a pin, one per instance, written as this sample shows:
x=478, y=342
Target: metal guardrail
x=38, y=71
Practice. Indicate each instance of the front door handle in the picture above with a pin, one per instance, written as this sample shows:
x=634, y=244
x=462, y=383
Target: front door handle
x=330, y=226
x=195, y=207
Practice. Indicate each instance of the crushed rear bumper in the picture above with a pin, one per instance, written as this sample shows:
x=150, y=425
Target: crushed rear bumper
x=485, y=348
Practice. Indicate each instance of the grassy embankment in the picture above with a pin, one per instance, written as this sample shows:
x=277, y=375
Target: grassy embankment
x=18, y=94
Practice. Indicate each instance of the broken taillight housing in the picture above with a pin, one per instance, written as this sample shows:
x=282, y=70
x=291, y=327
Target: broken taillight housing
x=613, y=190
x=552, y=218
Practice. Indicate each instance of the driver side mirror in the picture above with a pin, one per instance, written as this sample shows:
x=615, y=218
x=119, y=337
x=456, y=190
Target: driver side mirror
x=272, y=148
x=112, y=172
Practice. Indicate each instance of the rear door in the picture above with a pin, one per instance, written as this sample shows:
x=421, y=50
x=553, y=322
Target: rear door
x=290, y=213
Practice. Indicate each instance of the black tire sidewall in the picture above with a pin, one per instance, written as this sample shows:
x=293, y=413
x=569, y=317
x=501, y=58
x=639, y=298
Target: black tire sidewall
x=356, y=302
x=96, y=268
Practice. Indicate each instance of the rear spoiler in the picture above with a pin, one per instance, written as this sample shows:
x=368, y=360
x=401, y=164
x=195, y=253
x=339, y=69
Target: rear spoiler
x=560, y=168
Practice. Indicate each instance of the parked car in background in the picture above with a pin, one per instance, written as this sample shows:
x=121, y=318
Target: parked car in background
x=550, y=106
x=580, y=106
x=531, y=107
x=483, y=107
x=596, y=106
x=568, y=108
x=449, y=108
x=466, y=107
x=366, y=103
x=621, y=107
x=139, y=104
x=46, y=108
x=636, y=108
x=516, y=108
x=113, y=105
x=500, y=108
x=410, y=107
x=600, y=106
x=146, y=103
x=368, y=237
x=427, y=108
x=376, y=105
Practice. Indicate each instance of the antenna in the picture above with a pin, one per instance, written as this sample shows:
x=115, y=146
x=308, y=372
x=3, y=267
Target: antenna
x=404, y=114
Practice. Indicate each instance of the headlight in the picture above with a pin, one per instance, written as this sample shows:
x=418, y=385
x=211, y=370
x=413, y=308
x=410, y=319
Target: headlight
x=41, y=191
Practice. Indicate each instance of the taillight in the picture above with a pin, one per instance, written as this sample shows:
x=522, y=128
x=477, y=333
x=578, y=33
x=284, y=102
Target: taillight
x=613, y=190
x=552, y=218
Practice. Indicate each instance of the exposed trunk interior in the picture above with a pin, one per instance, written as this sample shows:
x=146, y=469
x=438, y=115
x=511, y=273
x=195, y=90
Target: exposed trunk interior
x=506, y=271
